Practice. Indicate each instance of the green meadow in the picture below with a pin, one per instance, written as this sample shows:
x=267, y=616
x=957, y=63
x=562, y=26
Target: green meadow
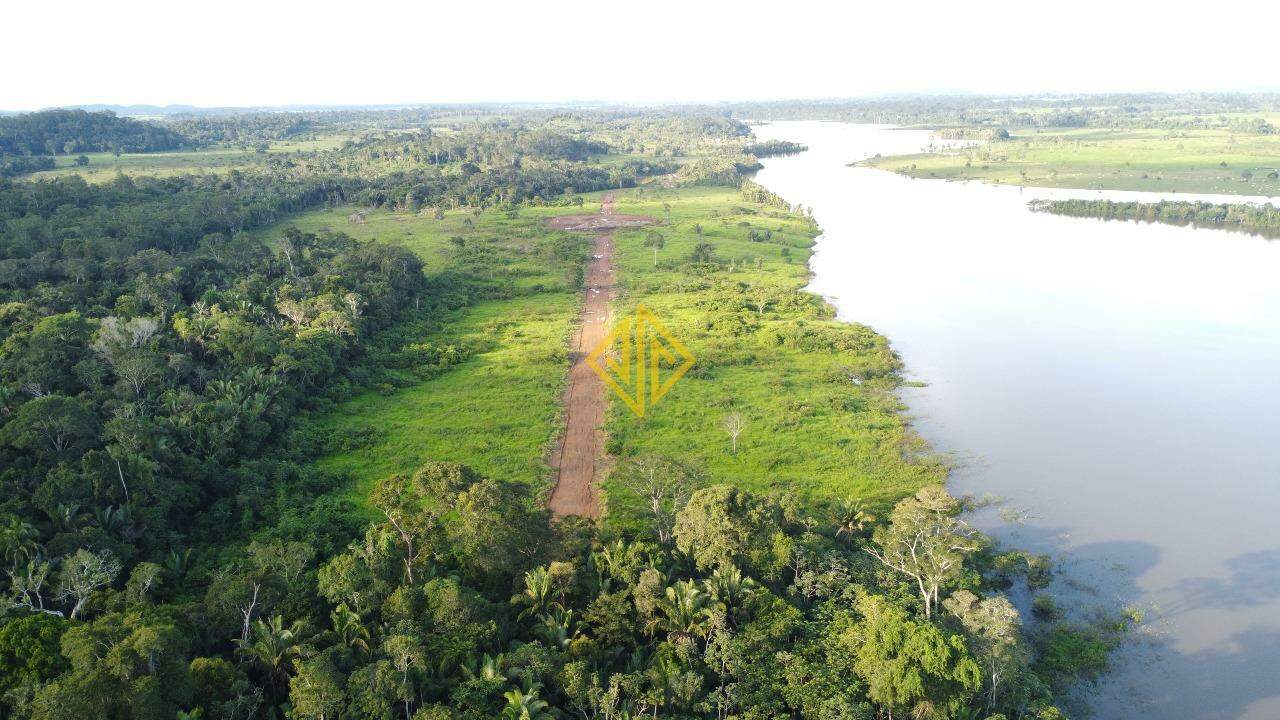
x=816, y=396
x=821, y=418
x=1190, y=161
x=104, y=166
x=498, y=410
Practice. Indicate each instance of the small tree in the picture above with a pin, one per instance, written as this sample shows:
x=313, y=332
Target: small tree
x=406, y=654
x=734, y=424
x=907, y=664
x=654, y=240
x=760, y=298
x=664, y=486
x=316, y=691
x=26, y=587
x=144, y=579
x=703, y=252
x=274, y=645
x=84, y=572
x=50, y=422
x=993, y=628
x=400, y=502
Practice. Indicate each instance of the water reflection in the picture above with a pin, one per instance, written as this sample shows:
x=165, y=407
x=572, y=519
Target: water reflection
x=1116, y=379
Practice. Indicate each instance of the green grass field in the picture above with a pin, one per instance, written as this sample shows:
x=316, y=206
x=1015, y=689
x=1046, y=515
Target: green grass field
x=1190, y=161
x=517, y=251
x=104, y=166
x=810, y=429
x=499, y=410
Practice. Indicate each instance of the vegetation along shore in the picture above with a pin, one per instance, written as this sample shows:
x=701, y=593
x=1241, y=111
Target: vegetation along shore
x=1255, y=219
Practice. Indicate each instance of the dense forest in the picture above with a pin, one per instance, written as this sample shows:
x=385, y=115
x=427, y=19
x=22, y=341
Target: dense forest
x=242, y=130
x=171, y=550
x=63, y=132
x=14, y=165
x=1258, y=219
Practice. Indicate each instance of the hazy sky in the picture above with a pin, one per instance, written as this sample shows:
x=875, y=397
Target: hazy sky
x=235, y=52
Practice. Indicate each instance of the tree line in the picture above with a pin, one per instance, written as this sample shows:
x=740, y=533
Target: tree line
x=62, y=132
x=1258, y=219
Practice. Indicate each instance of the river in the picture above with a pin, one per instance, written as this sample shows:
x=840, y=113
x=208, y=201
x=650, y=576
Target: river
x=1115, y=382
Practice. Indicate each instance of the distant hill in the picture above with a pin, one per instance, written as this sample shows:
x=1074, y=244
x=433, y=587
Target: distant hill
x=59, y=132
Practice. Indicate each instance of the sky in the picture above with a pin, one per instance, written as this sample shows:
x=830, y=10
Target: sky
x=265, y=53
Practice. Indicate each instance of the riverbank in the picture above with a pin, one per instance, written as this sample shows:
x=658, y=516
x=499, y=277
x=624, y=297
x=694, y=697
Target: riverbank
x=1093, y=374
x=815, y=395
x=1210, y=161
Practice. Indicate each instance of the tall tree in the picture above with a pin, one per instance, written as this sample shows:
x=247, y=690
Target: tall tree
x=927, y=541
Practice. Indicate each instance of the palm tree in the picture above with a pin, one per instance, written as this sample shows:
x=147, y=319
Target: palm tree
x=556, y=629
x=730, y=588
x=537, y=592
x=852, y=517
x=610, y=562
x=18, y=541
x=525, y=705
x=176, y=563
x=274, y=646
x=683, y=613
x=348, y=627
x=66, y=518
x=112, y=518
x=488, y=668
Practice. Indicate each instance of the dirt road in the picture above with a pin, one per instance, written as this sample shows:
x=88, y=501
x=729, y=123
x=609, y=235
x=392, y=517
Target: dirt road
x=578, y=458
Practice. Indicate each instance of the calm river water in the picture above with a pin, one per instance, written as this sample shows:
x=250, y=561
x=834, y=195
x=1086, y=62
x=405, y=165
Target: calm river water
x=1116, y=381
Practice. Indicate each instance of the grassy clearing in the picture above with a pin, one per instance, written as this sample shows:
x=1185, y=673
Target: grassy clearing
x=104, y=166
x=518, y=252
x=822, y=421
x=499, y=410
x=1191, y=161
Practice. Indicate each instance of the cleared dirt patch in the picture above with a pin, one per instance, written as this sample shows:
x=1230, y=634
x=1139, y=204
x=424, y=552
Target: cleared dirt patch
x=598, y=223
x=579, y=456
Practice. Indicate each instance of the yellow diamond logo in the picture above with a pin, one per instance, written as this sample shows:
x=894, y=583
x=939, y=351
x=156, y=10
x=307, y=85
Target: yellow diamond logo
x=639, y=360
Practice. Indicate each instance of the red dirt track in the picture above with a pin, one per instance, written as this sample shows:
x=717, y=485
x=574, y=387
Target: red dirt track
x=578, y=458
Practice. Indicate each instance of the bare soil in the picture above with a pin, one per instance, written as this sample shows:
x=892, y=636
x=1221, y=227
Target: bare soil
x=598, y=223
x=578, y=459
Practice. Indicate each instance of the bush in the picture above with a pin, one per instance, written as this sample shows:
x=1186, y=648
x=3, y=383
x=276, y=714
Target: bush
x=1045, y=608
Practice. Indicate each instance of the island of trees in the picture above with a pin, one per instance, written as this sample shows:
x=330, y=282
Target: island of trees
x=1261, y=219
